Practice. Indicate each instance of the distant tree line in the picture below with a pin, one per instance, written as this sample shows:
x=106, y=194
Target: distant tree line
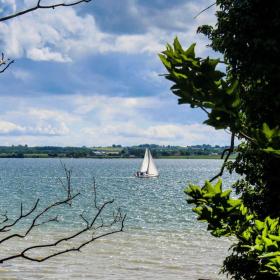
x=118, y=151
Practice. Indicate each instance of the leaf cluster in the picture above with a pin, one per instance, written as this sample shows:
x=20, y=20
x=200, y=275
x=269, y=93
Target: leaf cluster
x=258, y=241
x=198, y=82
x=244, y=100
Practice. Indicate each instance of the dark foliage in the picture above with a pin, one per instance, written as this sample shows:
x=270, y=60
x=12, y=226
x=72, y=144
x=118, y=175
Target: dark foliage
x=245, y=100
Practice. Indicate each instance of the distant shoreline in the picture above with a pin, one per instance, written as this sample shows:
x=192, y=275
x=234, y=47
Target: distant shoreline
x=115, y=151
x=43, y=156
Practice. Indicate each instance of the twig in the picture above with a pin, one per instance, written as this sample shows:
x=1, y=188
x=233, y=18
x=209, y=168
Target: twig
x=5, y=218
x=6, y=62
x=250, y=139
x=78, y=248
x=39, y=6
x=90, y=225
x=34, y=220
x=204, y=110
x=210, y=6
x=68, y=187
x=228, y=151
x=22, y=216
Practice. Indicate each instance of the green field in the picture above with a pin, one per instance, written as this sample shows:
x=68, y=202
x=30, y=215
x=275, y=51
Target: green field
x=196, y=157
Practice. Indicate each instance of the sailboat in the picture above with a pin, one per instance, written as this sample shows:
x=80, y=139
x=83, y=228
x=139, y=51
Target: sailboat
x=148, y=167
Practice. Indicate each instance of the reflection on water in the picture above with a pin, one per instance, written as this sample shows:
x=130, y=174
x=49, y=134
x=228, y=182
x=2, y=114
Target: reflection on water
x=162, y=239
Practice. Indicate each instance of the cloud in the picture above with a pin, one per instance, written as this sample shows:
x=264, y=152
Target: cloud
x=7, y=127
x=127, y=120
x=21, y=74
x=45, y=54
x=89, y=75
x=7, y=6
x=35, y=122
x=63, y=34
x=165, y=134
x=112, y=107
x=99, y=120
x=13, y=129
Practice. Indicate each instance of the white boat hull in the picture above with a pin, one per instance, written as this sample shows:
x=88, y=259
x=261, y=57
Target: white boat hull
x=145, y=175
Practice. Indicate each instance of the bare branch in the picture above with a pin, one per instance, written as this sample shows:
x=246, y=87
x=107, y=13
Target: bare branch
x=5, y=62
x=71, y=237
x=229, y=152
x=207, y=8
x=22, y=216
x=204, y=110
x=92, y=225
x=35, y=219
x=39, y=6
x=5, y=218
x=68, y=187
x=248, y=138
x=95, y=193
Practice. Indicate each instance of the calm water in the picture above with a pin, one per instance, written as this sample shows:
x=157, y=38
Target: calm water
x=162, y=239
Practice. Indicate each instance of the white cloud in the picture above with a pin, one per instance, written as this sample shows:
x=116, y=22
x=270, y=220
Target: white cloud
x=9, y=5
x=165, y=134
x=22, y=74
x=10, y=128
x=127, y=120
x=98, y=120
x=35, y=122
x=7, y=127
x=113, y=107
x=49, y=115
x=45, y=54
x=61, y=34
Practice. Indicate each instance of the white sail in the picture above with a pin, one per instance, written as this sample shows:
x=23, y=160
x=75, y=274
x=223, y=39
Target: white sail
x=145, y=163
x=148, y=167
x=152, y=169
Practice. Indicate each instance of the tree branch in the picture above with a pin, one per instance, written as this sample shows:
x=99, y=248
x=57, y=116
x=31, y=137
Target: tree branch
x=248, y=138
x=229, y=152
x=91, y=225
x=22, y=216
x=207, y=8
x=39, y=6
x=204, y=110
x=5, y=218
x=6, y=62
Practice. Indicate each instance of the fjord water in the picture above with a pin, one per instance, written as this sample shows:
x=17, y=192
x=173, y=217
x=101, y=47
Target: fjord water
x=161, y=240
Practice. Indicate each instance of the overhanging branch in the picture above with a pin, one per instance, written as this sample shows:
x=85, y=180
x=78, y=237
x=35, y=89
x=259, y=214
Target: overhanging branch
x=228, y=152
x=40, y=6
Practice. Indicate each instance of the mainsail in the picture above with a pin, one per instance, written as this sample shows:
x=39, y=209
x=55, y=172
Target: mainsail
x=152, y=169
x=145, y=163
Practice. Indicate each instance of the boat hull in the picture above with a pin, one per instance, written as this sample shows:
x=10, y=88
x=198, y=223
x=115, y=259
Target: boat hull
x=145, y=175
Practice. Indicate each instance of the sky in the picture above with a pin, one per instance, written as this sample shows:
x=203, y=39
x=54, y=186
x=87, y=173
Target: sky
x=89, y=75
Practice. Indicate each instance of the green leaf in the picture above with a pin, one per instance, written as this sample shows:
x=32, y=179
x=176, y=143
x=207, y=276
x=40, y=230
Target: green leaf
x=267, y=131
x=226, y=193
x=218, y=186
x=190, y=51
x=259, y=224
x=269, y=255
x=163, y=59
x=270, y=150
x=274, y=237
x=177, y=45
